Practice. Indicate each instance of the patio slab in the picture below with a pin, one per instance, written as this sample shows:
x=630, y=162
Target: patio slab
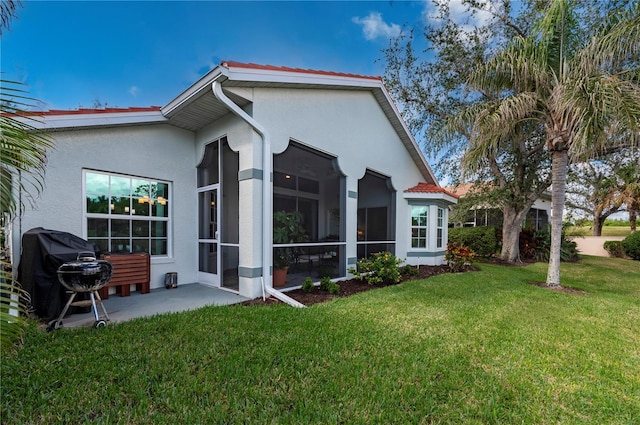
x=160, y=300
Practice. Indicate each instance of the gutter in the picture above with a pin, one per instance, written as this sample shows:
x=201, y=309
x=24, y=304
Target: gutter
x=267, y=231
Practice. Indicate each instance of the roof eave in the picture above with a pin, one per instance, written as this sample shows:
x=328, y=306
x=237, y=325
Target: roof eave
x=197, y=89
x=440, y=196
x=88, y=120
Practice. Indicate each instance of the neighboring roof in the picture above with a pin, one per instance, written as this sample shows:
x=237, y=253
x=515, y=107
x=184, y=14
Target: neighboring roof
x=463, y=189
x=427, y=191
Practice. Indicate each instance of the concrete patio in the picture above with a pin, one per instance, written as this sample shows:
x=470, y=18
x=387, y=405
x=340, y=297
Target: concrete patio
x=184, y=297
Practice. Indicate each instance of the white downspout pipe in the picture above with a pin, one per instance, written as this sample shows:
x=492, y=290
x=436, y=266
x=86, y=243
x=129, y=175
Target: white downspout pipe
x=267, y=232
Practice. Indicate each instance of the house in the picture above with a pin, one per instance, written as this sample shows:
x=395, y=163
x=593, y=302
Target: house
x=488, y=215
x=195, y=183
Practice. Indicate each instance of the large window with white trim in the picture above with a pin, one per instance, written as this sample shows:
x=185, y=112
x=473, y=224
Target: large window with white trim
x=126, y=213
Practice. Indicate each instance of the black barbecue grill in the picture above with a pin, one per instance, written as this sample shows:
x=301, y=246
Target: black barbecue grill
x=85, y=275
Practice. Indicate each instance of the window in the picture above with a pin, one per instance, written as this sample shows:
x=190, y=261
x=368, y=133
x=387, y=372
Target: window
x=440, y=228
x=419, y=218
x=127, y=214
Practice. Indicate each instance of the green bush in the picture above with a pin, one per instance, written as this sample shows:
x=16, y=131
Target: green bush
x=614, y=248
x=568, y=249
x=483, y=240
x=380, y=268
x=631, y=245
x=325, y=282
x=333, y=288
x=307, y=286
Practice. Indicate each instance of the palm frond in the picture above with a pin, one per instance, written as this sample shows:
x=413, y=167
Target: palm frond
x=12, y=310
x=23, y=146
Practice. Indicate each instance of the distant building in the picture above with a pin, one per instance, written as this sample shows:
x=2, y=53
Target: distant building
x=488, y=215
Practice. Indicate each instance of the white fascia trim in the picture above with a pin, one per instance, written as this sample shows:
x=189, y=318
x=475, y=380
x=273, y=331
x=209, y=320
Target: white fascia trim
x=60, y=122
x=281, y=76
x=392, y=103
x=431, y=196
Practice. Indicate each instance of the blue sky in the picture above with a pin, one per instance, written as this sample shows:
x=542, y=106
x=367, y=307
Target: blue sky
x=124, y=53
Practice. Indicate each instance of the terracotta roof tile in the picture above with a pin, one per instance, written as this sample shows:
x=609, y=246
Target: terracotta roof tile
x=233, y=64
x=429, y=188
x=81, y=111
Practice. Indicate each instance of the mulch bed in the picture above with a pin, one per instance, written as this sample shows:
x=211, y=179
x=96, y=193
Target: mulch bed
x=347, y=288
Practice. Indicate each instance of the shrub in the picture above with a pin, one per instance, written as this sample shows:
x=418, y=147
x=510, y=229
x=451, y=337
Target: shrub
x=568, y=249
x=325, y=282
x=528, y=243
x=333, y=288
x=307, y=286
x=631, y=245
x=614, y=248
x=459, y=257
x=483, y=240
x=379, y=268
x=409, y=270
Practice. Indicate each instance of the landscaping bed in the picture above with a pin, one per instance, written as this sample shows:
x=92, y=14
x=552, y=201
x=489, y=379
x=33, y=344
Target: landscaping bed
x=349, y=287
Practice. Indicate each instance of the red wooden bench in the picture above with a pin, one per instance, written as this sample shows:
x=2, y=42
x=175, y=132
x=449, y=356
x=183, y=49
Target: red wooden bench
x=128, y=269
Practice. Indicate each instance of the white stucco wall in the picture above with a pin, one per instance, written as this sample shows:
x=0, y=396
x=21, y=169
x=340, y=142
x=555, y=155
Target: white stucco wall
x=351, y=126
x=155, y=151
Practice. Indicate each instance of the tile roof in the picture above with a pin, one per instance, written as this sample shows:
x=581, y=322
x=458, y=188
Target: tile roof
x=81, y=111
x=429, y=188
x=232, y=64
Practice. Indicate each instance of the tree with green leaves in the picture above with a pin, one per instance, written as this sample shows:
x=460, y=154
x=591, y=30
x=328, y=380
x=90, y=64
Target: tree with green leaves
x=23, y=157
x=432, y=87
x=604, y=186
x=581, y=88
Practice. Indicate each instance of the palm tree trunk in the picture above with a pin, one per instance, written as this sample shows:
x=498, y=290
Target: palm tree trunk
x=632, y=219
x=559, y=160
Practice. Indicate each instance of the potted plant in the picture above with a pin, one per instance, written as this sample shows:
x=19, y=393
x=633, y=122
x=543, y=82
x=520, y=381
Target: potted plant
x=287, y=229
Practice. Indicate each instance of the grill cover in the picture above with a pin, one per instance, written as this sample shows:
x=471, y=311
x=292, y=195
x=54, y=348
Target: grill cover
x=43, y=251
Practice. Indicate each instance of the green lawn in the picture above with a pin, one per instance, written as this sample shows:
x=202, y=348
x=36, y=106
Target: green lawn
x=473, y=348
x=606, y=231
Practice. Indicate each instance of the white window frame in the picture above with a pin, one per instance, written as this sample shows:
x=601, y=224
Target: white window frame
x=427, y=227
x=440, y=228
x=168, y=219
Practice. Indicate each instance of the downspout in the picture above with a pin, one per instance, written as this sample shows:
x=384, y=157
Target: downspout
x=267, y=232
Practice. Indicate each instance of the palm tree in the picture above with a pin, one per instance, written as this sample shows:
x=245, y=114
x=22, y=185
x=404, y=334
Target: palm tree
x=23, y=154
x=581, y=89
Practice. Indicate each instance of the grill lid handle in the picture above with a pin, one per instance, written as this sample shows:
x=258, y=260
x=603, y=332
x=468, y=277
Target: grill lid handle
x=86, y=256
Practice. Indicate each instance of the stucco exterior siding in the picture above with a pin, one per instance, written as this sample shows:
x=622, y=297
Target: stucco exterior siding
x=154, y=151
x=333, y=121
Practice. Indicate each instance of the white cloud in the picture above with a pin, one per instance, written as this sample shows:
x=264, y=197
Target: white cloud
x=373, y=26
x=459, y=13
x=134, y=90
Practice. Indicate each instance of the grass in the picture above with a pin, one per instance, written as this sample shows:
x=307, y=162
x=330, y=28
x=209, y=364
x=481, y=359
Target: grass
x=472, y=348
x=606, y=231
